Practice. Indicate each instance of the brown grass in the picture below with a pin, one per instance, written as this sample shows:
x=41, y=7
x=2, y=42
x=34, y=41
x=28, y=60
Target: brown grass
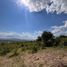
x=50, y=57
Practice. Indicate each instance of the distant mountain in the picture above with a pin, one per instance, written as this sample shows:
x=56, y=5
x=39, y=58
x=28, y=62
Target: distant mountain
x=13, y=39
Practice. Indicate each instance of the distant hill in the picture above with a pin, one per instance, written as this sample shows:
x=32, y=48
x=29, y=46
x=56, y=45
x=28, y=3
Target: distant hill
x=13, y=39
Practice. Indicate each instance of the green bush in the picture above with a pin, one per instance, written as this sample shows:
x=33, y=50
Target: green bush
x=34, y=49
x=13, y=53
x=4, y=51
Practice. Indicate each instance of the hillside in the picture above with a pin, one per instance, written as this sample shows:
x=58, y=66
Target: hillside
x=49, y=57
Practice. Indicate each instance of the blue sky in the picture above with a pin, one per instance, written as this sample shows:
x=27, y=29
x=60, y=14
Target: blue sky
x=25, y=19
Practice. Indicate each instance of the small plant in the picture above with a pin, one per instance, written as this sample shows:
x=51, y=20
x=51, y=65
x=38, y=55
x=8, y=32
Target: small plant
x=34, y=49
x=4, y=51
x=13, y=53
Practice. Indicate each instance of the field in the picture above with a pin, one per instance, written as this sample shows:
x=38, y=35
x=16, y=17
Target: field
x=17, y=55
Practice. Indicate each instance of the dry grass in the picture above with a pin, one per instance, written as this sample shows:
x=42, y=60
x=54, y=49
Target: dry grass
x=50, y=57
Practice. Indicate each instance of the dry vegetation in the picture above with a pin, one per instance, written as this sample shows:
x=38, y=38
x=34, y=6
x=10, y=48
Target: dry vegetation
x=49, y=57
x=46, y=51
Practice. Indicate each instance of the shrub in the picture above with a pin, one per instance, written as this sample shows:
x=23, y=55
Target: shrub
x=13, y=53
x=48, y=39
x=4, y=51
x=34, y=49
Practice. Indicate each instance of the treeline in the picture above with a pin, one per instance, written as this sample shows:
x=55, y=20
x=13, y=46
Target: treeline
x=47, y=39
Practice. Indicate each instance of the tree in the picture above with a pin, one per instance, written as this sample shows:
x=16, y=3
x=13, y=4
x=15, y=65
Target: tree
x=39, y=38
x=47, y=38
x=39, y=42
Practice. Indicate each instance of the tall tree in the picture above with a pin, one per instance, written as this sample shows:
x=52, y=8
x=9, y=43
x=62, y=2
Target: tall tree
x=47, y=38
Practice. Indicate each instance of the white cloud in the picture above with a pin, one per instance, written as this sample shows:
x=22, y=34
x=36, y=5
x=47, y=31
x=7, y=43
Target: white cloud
x=50, y=5
x=60, y=30
x=23, y=35
x=34, y=5
x=58, y=5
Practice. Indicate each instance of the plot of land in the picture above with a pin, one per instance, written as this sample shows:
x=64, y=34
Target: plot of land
x=49, y=57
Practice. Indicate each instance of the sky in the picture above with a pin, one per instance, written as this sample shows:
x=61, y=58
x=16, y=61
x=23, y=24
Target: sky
x=27, y=19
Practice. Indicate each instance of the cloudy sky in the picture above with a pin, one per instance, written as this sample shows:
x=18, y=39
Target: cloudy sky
x=27, y=19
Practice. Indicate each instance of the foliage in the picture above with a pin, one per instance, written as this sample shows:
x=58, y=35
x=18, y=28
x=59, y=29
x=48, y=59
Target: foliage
x=13, y=53
x=47, y=39
x=39, y=38
x=34, y=49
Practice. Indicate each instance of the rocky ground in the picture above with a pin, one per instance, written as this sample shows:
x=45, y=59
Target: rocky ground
x=44, y=58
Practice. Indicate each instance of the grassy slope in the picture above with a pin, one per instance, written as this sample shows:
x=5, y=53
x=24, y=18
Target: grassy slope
x=49, y=57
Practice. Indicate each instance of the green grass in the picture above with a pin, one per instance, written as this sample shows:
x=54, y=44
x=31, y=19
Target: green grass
x=16, y=48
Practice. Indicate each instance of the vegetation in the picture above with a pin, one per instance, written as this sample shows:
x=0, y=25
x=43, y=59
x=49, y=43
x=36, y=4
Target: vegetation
x=47, y=39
